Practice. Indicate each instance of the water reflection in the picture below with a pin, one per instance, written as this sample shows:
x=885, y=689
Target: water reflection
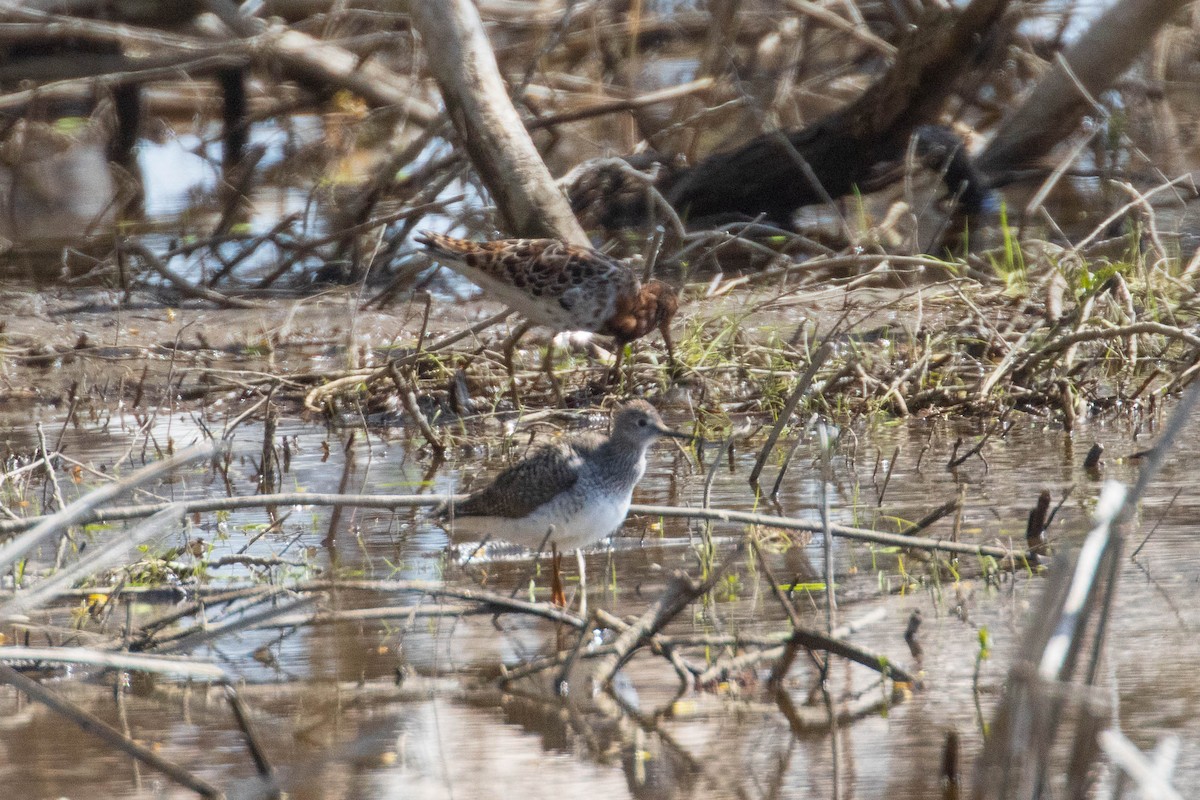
x=452, y=739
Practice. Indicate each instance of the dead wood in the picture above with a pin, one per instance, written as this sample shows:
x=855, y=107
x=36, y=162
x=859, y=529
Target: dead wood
x=1053, y=109
x=182, y=284
x=109, y=734
x=461, y=60
x=1035, y=529
x=681, y=590
x=191, y=669
x=324, y=66
x=52, y=524
x=136, y=12
x=779, y=171
x=390, y=502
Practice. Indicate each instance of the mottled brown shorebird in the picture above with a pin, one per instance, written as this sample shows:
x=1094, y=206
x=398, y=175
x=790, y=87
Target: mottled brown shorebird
x=562, y=286
x=572, y=493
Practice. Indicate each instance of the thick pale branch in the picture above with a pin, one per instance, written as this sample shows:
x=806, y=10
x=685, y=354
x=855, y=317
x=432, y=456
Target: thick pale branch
x=491, y=130
x=1055, y=106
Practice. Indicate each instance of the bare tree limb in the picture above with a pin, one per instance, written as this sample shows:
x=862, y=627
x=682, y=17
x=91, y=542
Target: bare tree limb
x=490, y=128
x=1055, y=106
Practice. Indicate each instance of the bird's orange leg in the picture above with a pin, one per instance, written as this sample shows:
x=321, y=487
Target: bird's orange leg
x=557, y=596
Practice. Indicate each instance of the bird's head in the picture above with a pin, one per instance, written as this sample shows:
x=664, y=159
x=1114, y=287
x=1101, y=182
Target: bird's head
x=638, y=423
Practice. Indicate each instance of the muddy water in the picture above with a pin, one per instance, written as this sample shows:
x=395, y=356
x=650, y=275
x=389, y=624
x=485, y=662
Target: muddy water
x=444, y=731
x=409, y=707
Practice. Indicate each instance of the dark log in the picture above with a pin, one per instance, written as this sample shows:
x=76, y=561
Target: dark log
x=236, y=117
x=778, y=172
x=127, y=101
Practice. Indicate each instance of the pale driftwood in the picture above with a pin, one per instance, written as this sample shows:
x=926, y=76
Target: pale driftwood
x=290, y=615
x=117, y=552
x=622, y=104
x=392, y=502
x=131, y=662
x=1153, y=778
x=491, y=130
x=1055, y=106
x=843, y=531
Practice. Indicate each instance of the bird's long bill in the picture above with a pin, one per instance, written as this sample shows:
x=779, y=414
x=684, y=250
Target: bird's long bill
x=675, y=434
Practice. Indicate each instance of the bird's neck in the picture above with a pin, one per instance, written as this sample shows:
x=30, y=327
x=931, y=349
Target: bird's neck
x=620, y=465
x=634, y=316
x=645, y=312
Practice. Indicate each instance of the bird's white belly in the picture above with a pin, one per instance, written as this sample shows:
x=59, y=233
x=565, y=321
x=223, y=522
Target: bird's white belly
x=568, y=526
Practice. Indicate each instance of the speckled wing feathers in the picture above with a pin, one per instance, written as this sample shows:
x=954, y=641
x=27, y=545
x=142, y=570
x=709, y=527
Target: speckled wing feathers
x=549, y=282
x=519, y=490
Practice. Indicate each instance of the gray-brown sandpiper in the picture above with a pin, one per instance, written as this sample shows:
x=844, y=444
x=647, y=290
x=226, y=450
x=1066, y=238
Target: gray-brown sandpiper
x=572, y=493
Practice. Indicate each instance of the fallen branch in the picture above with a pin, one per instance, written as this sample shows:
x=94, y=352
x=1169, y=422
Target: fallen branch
x=129, y=662
x=114, y=553
x=324, y=65
x=316, y=399
x=182, y=284
x=489, y=127
x=1096, y=59
x=623, y=104
x=681, y=590
x=109, y=734
x=1101, y=334
x=392, y=502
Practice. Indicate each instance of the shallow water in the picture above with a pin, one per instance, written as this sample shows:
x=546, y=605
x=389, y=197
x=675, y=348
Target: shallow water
x=444, y=732
x=410, y=706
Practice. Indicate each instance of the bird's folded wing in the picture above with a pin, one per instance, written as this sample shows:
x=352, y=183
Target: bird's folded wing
x=519, y=490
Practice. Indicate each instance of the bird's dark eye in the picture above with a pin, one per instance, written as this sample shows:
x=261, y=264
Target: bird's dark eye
x=642, y=422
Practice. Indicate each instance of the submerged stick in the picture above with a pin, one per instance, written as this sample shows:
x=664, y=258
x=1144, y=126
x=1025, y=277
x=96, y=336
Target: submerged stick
x=109, y=734
x=252, y=742
x=392, y=502
x=679, y=593
x=182, y=284
x=681, y=590
x=128, y=662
